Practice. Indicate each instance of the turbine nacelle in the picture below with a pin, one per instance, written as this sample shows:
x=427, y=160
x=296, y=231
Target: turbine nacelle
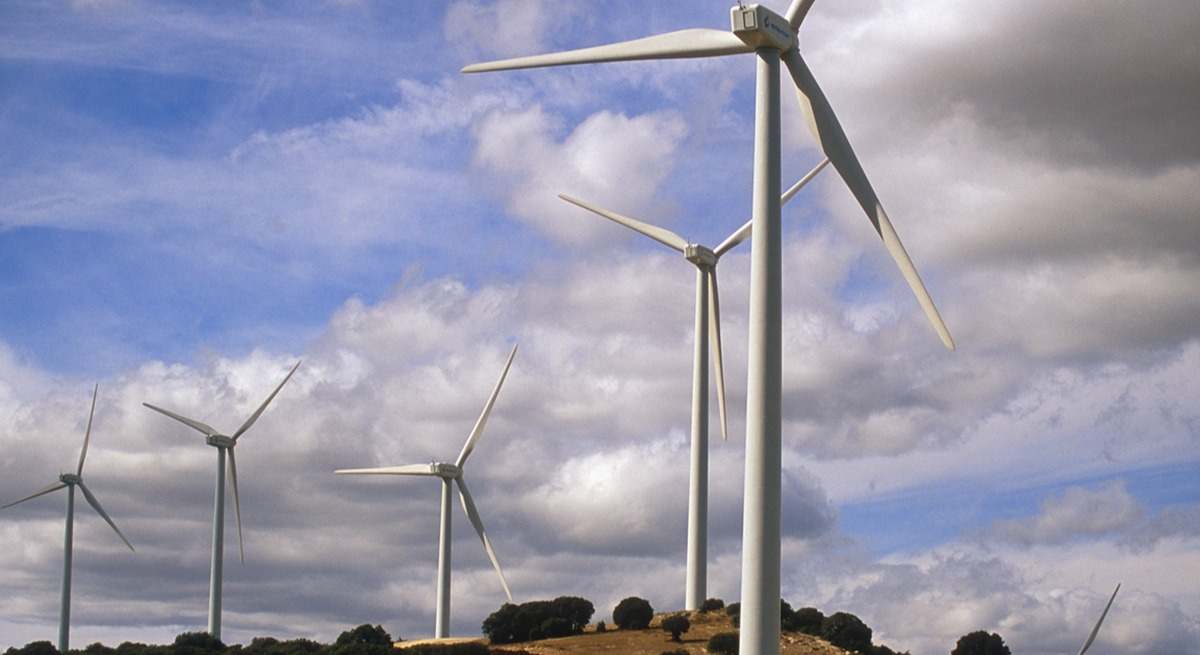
x=700, y=255
x=69, y=478
x=448, y=471
x=759, y=27
x=220, y=441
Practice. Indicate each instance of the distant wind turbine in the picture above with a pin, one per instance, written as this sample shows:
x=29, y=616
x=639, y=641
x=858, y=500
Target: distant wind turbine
x=448, y=472
x=1092, y=637
x=70, y=481
x=708, y=337
x=774, y=40
x=224, y=445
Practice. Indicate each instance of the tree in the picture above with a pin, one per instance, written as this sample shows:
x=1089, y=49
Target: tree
x=980, y=643
x=555, y=626
x=34, y=648
x=197, y=643
x=725, y=643
x=498, y=626
x=676, y=624
x=577, y=611
x=712, y=605
x=633, y=613
x=847, y=631
x=807, y=620
x=365, y=634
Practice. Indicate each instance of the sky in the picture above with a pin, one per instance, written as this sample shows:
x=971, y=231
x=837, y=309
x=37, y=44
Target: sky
x=195, y=197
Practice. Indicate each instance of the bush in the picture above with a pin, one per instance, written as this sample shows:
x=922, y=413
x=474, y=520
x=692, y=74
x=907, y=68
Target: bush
x=272, y=646
x=474, y=648
x=633, y=613
x=676, y=624
x=847, y=631
x=733, y=609
x=807, y=620
x=34, y=648
x=712, y=605
x=980, y=643
x=601, y=627
x=98, y=648
x=190, y=643
x=575, y=610
x=725, y=643
x=365, y=634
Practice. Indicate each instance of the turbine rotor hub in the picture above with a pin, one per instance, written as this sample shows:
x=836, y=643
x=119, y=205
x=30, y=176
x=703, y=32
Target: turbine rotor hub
x=448, y=471
x=69, y=478
x=220, y=441
x=759, y=27
x=700, y=255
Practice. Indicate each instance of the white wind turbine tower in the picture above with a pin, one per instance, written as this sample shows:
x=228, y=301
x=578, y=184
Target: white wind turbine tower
x=70, y=481
x=224, y=445
x=772, y=38
x=708, y=336
x=452, y=472
x=1096, y=630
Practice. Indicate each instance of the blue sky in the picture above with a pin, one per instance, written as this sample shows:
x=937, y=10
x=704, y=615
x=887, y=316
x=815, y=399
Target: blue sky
x=192, y=198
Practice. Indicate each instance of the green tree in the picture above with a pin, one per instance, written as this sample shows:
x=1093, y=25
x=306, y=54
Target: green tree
x=633, y=613
x=676, y=624
x=980, y=643
x=725, y=643
x=847, y=631
x=577, y=611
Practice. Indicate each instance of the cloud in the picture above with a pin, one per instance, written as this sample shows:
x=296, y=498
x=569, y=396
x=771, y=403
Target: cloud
x=1077, y=512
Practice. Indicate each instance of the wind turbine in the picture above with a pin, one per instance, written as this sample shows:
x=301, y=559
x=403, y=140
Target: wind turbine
x=452, y=472
x=708, y=336
x=1092, y=637
x=224, y=445
x=772, y=38
x=70, y=481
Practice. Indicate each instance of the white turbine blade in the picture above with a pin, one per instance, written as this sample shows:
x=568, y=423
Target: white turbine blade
x=407, y=469
x=87, y=434
x=54, y=487
x=714, y=334
x=1092, y=637
x=743, y=232
x=661, y=235
x=682, y=44
x=797, y=11
x=258, y=412
x=103, y=514
x=237, y=504
x=483, y=416
x=473, y=514
x=837, y=147
x=204, y=428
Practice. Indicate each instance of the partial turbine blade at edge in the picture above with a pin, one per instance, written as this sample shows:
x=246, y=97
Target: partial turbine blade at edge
x=473, y=514
x=87, y=434
x=743, y=232
x=237, y=504
x=714, y=335
x=682, y=44
x=261, y=408
x=204, y=428
x=833, y=141
x=407, y=469
x=104, y=515
x=1096, y=630
x=659, y=234
x=483, y=416
x=797, y=11
x=41, y=492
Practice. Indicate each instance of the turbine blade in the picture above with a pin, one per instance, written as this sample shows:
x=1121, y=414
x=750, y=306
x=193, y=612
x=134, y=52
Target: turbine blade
x=661, y=235
x=797, y=11
x=103, y=514
x=682, y=44
x=407, y=469
x=237, y=503
x=473, y=514
x=483, y=416
x=87, y=434
x=258, y=412
x=837, y=147
x=714, y=334
x=204, y=428
x=743, y=232
x=1092, y=637
x=42, y=492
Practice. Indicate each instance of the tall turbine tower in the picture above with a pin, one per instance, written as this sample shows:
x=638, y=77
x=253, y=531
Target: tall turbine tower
x=708, y=336
x=70, y=481
x=224, y=445
x=448, y=473
x=772, y=38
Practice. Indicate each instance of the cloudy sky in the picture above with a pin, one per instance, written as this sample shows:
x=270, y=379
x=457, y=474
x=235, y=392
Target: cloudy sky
x=193, y=198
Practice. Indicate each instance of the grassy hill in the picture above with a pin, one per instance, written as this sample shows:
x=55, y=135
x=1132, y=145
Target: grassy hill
x=653, y=640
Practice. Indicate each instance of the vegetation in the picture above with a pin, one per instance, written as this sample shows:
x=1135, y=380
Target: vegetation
x=980, y=643
x=676, y=624
x=538, y=619
x=725, y=643
x=847, y=631
x=362, y=640
x=633, y=613
x=807, y=620
x=601, y=627
x=473, y=648
x=712, y=605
